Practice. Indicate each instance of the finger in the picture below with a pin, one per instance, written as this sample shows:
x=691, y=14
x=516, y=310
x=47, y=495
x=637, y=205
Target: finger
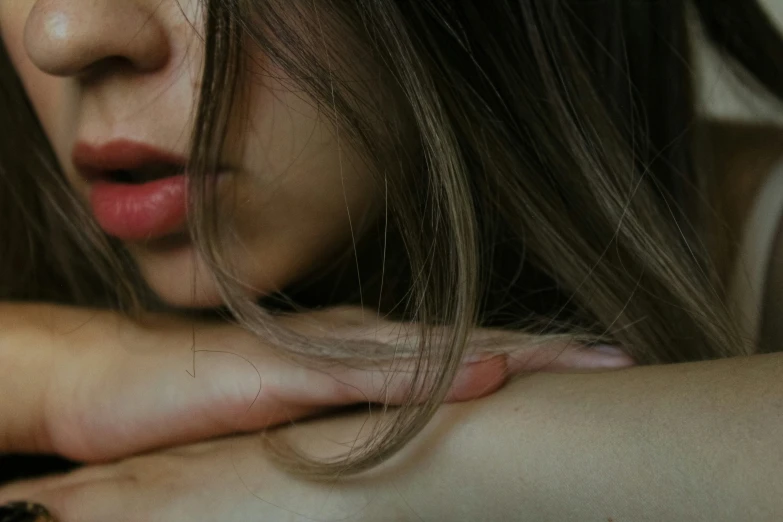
x=137, y=400
x=559, y=357
x=108, y=403
x=480, y=375
x=526, y=352
x=495, y=355
x=93, y=386
x=104, y=388
x=144, y=401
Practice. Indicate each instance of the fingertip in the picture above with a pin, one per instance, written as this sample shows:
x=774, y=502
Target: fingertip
x=478, y=379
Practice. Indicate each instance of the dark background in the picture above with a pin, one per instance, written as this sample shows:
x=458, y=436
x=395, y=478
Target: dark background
x=18, y=467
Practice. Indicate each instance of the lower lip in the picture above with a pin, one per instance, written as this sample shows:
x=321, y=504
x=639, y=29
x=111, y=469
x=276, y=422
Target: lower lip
x=142, y=212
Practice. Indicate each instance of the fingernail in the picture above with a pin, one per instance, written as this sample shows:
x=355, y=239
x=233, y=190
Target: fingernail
x=611, y=357
x=608, y=350
x=479, y=357
x=479, y=378
x=25, y=512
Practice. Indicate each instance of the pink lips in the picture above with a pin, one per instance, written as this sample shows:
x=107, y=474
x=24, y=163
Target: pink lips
x=140, y=212
x=133, y=211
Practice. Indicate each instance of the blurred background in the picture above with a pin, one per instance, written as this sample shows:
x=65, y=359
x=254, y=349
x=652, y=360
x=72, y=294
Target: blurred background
x=724, y=96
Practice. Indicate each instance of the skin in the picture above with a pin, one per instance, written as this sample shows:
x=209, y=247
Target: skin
x=697, y=441
x=107, y=386
x=292, y=196
x=538, y=467
x=96, y=395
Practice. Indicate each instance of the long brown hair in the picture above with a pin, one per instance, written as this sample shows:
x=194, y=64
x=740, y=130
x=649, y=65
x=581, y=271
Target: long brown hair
x=549, y=180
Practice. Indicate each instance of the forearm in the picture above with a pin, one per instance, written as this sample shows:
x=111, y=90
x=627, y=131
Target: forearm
x=698, y=441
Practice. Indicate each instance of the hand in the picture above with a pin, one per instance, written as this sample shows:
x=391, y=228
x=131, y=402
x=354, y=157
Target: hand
x=229, y=480
x=234, y=480
x=95, y=386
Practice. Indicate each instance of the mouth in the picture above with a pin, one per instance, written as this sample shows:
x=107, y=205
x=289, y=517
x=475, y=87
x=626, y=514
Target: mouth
x=126, y=161
x=137, y=192
x=140, y=176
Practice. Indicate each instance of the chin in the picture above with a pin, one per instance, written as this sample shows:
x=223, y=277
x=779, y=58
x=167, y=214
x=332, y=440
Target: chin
x=181, y=279
x=189, y=295
x=182, y=287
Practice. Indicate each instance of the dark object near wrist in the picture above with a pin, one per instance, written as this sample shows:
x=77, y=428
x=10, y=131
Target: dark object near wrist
x=20, y=467
x=25, y=512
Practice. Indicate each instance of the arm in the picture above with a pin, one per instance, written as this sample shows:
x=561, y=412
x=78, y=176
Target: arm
x=695, y=441
x=95, y=386
x=698, y=441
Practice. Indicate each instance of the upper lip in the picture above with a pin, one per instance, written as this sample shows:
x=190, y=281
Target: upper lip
x=120, y=154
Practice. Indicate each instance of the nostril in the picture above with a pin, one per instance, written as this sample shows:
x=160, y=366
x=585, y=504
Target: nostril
x=104, y=66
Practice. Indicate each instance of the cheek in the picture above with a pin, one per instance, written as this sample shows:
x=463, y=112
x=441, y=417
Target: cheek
x=46, y=93
x=298, y=204
x=308, y=194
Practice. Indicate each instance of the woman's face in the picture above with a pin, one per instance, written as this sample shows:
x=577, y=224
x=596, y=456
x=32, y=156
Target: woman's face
x=114, y=84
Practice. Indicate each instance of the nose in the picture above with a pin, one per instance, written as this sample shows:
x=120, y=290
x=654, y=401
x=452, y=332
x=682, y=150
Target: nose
x=69, y=37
